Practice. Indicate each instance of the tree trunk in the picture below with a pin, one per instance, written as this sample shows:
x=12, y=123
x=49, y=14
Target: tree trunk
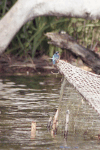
x=64, y=41
x=25, y=10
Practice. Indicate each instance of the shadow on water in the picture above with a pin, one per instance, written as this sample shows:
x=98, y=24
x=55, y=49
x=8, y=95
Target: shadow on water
x=27, y=99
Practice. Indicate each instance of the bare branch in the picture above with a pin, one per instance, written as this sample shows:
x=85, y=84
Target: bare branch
x=64, y=41
x=25, y=10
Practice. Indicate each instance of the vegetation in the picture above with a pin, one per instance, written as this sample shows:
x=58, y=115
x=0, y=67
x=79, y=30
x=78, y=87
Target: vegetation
x=31, y=41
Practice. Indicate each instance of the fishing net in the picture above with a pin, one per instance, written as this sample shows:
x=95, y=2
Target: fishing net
x=86, y=83
x=83, y=119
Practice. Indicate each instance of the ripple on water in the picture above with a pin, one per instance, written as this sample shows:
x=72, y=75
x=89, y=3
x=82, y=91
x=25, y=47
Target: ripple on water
x=35, y=99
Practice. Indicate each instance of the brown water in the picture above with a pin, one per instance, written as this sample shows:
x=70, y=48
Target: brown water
x=27, y=99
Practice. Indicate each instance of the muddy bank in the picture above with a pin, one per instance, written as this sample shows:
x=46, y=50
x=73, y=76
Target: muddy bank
x=10, y=65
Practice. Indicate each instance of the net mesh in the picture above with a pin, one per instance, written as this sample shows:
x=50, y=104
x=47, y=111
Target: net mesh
x=87, y=83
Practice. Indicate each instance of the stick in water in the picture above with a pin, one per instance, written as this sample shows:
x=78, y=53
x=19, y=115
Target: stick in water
x=55, y=122
x=66, y=124
x=33, y=130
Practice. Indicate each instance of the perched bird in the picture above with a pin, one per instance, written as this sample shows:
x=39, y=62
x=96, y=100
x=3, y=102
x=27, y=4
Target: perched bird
x=55, y=58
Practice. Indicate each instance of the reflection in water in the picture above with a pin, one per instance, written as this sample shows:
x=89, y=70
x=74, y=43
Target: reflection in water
x=24, y=100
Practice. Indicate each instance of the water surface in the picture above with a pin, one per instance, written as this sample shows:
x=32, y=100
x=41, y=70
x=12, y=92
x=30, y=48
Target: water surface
x=27, y=99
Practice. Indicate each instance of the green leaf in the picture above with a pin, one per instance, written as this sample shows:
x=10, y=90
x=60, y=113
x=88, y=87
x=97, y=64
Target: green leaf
x=79, y=29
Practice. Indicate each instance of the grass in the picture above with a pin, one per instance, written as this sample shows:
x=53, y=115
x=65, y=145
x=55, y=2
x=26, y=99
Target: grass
x=31, y=39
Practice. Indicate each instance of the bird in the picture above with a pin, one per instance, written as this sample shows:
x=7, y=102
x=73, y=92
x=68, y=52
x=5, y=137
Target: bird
x=55, y=57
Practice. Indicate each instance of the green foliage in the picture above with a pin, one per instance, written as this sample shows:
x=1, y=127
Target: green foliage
x=31, y=40
x=5, y=5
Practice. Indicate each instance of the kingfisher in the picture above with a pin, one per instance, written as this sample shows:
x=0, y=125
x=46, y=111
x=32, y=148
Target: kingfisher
x=55, y=57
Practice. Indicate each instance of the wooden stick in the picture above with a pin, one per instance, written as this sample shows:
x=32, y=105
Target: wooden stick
x=62, y=88
x=55, y=122
x=49, y=125
x=61, y=92
x=66, y=124
x=33, y=130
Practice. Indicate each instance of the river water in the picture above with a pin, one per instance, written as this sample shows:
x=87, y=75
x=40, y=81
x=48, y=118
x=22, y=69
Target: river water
x=27, y=99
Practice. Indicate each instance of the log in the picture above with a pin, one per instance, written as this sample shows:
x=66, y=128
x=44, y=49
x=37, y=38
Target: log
x=25, y=10
x=64, y=41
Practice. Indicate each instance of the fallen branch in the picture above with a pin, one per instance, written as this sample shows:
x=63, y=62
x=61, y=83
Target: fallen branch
x=25, y=10
x=64, y=41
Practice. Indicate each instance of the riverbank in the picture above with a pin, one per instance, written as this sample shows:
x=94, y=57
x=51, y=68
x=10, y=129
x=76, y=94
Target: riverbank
x=12, y=65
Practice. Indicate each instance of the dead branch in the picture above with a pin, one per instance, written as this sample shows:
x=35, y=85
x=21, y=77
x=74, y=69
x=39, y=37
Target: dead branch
x=25, y=10
x=64, y=41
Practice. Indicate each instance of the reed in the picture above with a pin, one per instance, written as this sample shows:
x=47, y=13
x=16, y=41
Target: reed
x=31, y=37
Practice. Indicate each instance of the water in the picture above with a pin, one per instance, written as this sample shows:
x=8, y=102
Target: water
x=27, y=99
